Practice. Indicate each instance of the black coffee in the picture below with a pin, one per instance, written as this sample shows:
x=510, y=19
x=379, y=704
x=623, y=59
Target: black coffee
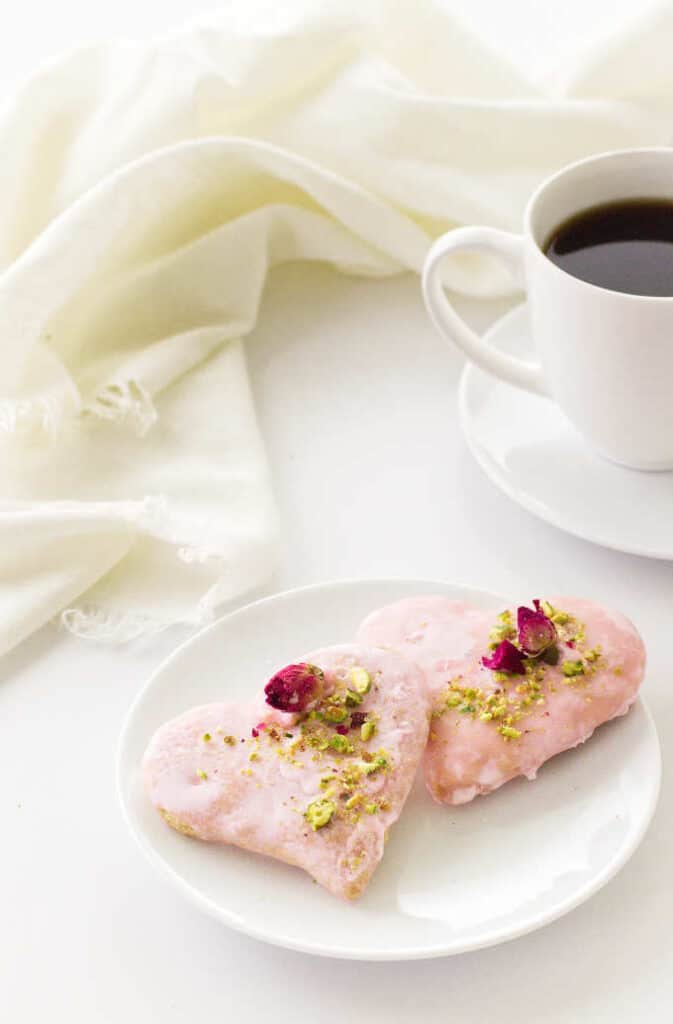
x=625, y=246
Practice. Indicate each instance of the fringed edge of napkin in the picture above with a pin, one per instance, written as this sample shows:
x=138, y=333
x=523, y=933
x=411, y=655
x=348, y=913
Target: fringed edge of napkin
x=152, y=517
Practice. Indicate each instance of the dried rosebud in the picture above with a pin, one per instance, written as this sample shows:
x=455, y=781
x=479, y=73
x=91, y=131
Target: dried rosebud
x=294, y=687
x=342, y=730
x=357, y=719
x=506, y=658
x=536, y=631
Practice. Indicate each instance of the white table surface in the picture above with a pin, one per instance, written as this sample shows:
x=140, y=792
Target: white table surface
x=356, y=399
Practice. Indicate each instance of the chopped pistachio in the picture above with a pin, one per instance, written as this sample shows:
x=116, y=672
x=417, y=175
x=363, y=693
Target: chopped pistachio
x=201, y=774
x=352, y=698
x=361, y=680
x=503, y=631
x=371, y=808
x=341, y=744
x=352, y=774
x=353, y=801
x=334, y=713
x=319, y=813
x=367, y=730
x=509, y=732
x=573, y=668
x=376, y=765
x=594, y=654
x=207, y=737
x=453, y=700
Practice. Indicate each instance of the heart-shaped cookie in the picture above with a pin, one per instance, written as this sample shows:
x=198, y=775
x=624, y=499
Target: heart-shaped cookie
x=314, y=776
x=510, y=690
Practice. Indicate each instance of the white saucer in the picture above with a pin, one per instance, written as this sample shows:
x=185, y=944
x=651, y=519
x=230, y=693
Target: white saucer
x=452, y=879
x=530, y=451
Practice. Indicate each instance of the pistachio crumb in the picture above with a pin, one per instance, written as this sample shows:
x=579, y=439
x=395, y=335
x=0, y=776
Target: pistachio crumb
x=341, y=745
x=334, y=713
x=207, y=737
x=367, y=730
x=361, y=680
x=509, y=732
x=201, y=774
x=573, y=668
x=319, y=812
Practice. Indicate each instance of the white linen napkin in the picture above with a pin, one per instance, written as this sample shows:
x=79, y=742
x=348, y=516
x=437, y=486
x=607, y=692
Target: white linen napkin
x=146, y=192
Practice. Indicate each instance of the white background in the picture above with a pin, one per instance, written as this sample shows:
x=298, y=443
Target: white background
x=356, y=398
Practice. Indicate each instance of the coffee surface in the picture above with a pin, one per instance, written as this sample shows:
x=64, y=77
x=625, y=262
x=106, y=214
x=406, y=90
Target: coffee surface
x=626, y=246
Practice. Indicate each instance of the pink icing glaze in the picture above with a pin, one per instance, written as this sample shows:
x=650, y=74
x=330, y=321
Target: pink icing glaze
x=466, y=756
x=259, y=803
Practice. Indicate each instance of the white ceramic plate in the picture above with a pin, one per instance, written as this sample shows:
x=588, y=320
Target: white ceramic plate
x=452, y=879
x=530, y=451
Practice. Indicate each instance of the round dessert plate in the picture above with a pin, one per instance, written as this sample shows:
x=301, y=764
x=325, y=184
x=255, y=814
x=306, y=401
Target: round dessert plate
x=452, y=879
x=527, y=447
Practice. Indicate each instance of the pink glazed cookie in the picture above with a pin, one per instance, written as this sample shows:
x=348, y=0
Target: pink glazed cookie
x=315, y=780
x=553, y=674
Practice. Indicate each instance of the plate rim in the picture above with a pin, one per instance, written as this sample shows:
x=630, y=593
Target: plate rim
x=470, y=373
x=435, y=951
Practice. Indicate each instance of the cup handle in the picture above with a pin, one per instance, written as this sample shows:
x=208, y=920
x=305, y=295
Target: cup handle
x=528, y=376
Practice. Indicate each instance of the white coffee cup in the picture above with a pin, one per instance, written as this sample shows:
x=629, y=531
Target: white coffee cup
x=606, y=357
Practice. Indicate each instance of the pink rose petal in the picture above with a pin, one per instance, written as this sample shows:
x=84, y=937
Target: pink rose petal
x=506, y=658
